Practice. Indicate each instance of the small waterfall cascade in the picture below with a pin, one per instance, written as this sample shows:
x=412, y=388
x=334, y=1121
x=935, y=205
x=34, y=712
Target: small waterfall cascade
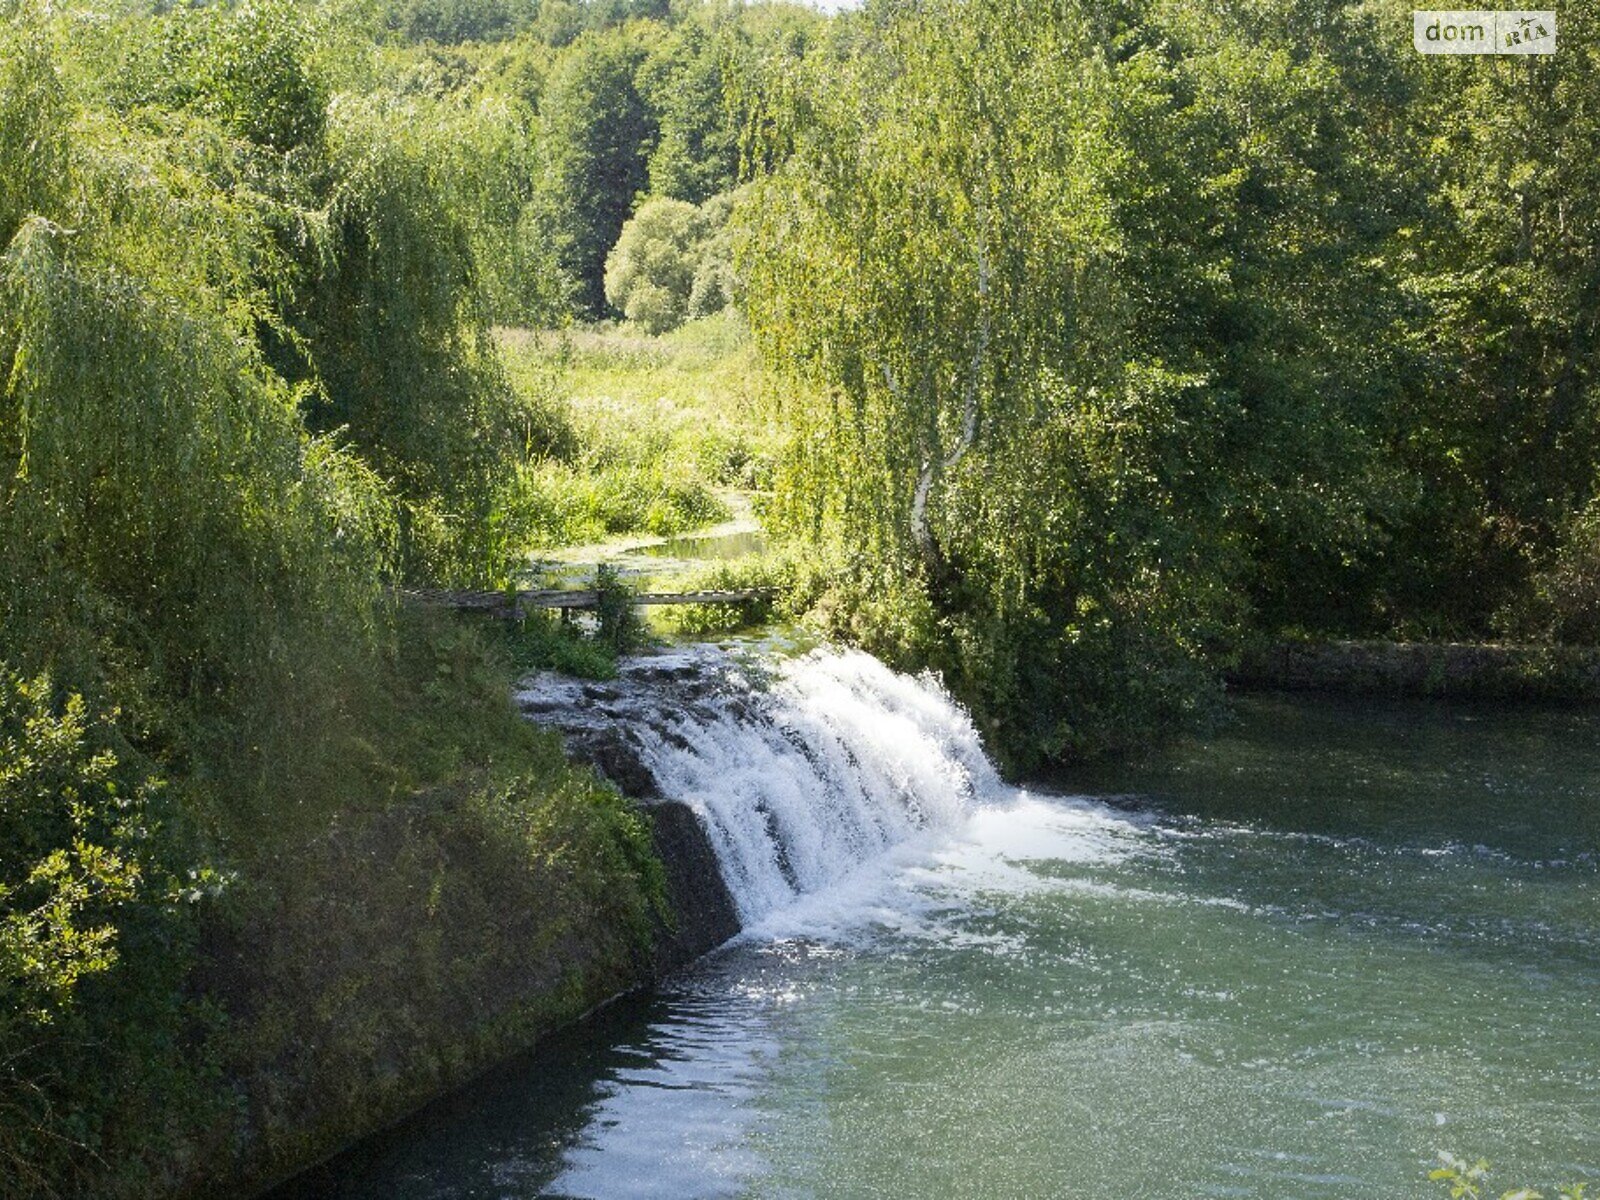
x=801, y=771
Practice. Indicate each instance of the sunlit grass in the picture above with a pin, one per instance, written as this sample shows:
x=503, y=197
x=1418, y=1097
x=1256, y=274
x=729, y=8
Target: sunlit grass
x=654, y=429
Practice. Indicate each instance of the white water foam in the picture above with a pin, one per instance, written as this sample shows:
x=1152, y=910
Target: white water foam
x=842, y=760
x=821, y=781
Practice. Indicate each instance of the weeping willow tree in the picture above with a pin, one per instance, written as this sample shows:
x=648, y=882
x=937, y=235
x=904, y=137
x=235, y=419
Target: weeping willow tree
x=364, y=220
x=154, y=463
x=246, y=385
x=399, y=347
x=1035, y=465
x=176, y=543
x=938, y=257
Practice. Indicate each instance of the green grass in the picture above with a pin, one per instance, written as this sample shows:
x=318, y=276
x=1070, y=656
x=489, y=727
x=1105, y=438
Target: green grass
x=646, y=434
x=774, y=570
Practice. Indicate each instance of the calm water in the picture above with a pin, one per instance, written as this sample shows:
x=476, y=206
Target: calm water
x=1296, y=960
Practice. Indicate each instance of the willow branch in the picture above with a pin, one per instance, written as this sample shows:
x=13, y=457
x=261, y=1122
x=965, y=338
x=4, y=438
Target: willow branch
x=932, y=467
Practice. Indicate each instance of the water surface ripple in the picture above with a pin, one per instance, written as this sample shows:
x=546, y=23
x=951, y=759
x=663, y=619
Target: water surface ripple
x=1295, y=959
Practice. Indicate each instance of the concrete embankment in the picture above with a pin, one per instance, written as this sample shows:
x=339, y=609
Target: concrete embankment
x=409, y=959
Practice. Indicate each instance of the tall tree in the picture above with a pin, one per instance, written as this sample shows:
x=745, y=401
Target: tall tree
x=1098, y=300
x=596, y=134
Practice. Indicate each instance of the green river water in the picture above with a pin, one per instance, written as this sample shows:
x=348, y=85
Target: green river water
x=1295, y=959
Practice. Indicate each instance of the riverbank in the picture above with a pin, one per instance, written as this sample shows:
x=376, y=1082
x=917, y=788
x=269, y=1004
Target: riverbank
x=1313, y=948
x=1566, y=674
x=409, y=961
x=425, y=954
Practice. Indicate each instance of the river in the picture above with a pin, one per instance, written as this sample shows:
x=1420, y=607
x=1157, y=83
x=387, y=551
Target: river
x=1296, y=958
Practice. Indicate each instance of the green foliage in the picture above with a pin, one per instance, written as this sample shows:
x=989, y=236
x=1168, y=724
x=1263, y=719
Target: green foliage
x=671, y=262
x=622, y=630
x=650, y=270
x=555, y=503
x=33, y=142
x=250, y=67
x=1003, y=436
x=653, y=426
x=160, y=488
x=245, y=376
x=595, y=131
x=1564, y=604
x=395, y=327
x=548, y=641
x=454, y=21
x=1117, y=334
x=257, y=80
x=69, y=853
x=84, y=885
x=1508, y=265
x=778, y=575
x=696, y=155
x=1467, y=1181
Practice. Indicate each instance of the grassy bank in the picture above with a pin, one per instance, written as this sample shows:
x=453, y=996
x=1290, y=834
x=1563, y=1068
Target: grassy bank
x=289, y=951
x=477, y=893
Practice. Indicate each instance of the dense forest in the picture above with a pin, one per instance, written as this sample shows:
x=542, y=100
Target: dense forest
x=1100, y=339
x=1148, y=328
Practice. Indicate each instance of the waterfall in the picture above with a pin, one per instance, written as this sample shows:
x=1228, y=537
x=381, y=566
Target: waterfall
x=801, y=771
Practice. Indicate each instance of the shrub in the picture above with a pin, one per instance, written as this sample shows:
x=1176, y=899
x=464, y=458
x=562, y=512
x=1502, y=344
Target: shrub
x=1565, y=605
x=81, y=885
x=1469, y=1181
x=70, y=851
x=672, y=261
x=622, y=631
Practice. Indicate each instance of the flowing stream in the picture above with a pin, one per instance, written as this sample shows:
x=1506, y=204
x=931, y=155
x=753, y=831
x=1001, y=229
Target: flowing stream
x=1295, y=959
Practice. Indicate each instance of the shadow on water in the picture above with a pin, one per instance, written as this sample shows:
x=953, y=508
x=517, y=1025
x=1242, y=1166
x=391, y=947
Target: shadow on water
x=542, y=1124
x=529, y=1110
x=1517, y=779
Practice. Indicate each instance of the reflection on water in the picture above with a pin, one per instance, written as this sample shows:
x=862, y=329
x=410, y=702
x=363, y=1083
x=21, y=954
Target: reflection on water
x=715, y=548
x=1335, y=939
x=652, y=1089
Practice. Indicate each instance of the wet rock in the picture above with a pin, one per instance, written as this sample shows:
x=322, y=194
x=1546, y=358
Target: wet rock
x=602, y=725
x=704, y=911
x=611, y=753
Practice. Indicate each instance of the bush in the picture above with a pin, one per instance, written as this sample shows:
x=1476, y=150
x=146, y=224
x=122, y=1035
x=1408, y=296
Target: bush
x=70, y=850
x=621, y=630
x=1565, y=601
x=256, y=77
x=672, y=261
x=82, y=886
x=548, y=641
x=1469, y=1181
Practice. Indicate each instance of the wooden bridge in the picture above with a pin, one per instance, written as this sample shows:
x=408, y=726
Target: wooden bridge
x=515, y=605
